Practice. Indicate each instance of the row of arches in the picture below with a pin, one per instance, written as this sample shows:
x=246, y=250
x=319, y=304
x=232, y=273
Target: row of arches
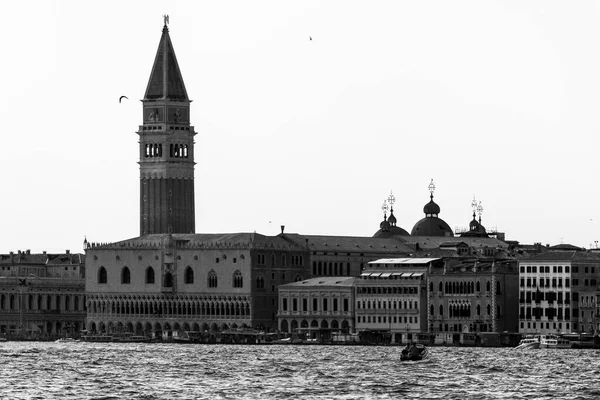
x=463, y=310
x=463, y=287
x=41, y=301
x=293, y=325
x=170, y=308
x=147, y=327
x=321, y=268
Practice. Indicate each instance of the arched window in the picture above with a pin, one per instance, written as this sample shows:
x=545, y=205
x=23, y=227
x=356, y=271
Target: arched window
x=498, y=289
x=298, y=278
x=440, y=287
x=189, y=275
x=168, y=280
x=478, y=287
x=431, y=310
x=283, y=260
x=238, y=280
x=212, y=279
x=487, y=286
x=125, y=276
x=489, y=309
x=102, y=278
x=441, y=309
x=149, y=275
x=260, y=282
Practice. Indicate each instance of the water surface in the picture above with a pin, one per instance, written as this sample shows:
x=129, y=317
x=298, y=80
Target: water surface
x=39, y=370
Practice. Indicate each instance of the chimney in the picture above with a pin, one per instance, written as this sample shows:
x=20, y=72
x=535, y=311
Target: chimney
x=28, y=252
x=282, y=228
x=68, y=251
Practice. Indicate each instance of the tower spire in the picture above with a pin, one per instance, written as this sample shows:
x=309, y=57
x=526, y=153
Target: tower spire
x=166, y=148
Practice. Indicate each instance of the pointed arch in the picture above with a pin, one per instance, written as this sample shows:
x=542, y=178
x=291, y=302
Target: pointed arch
x=150, y=275
x=102, y=275
x=125, y=276
x=188, y=275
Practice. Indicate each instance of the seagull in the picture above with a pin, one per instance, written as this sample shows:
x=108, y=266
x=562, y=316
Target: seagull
x=122, y=97
x=310, y=37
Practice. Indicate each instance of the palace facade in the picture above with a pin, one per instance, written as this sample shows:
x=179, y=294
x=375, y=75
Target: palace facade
x=42, y=296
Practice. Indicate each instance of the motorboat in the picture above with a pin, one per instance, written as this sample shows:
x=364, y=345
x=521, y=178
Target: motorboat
x=529, y=342
x=552, y=341
x=423, y=353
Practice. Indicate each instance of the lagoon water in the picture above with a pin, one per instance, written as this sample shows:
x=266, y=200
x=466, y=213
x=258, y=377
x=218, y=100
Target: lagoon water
x=42, y=370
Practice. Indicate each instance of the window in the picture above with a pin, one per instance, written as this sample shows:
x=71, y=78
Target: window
x=125, y=276
x=260, y=282
x=285, y=305
x=149, y=275
x=188, y=275
x=294, y=304
x=169, y=280
x=212, y=279
x=102, y=276
x=238, y=280
x=315, y=306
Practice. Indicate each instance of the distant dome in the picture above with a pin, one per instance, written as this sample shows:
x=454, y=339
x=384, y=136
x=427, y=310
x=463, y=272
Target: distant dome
x=392, y=220
x=431, y=208
x=388, y=228
x=431, y=226
x=475, y=229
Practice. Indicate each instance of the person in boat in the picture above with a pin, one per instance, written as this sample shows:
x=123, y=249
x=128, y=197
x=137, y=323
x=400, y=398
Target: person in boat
x=413, y=352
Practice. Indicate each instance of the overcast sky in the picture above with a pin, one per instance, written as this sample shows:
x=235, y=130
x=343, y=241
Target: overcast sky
x=493, y=100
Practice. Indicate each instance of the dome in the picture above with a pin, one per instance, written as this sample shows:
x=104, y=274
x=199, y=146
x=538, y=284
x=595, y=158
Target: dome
x=431, y=208
x=392, y=220
x=431, y=226
x=475, y=229
x=388, y=228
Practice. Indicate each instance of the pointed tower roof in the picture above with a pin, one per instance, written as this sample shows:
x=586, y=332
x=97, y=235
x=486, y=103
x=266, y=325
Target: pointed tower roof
x=165, y=79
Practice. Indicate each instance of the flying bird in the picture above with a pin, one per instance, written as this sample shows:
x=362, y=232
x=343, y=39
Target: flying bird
x=310, y=37
x=123, y=97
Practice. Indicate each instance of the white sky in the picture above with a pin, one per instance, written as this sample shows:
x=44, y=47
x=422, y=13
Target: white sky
x=497, y=100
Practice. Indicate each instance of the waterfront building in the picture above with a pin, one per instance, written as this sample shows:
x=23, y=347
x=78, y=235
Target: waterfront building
x=391, y=299
x=164, y=284
x=558, y=290
x=315, y=308
x=42, y=296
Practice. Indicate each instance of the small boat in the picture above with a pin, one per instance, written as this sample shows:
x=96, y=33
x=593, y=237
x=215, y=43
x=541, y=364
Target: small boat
x=529, y=342
x=66, y=340
x=422, y=355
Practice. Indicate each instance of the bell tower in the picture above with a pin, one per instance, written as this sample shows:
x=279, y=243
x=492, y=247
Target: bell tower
x=166, y=148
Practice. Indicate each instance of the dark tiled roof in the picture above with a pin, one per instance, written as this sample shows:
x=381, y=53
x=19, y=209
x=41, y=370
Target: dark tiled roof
x=165, y=81
x=244, y=240
x=564, y=256
x=349, y=244
x=322, y=281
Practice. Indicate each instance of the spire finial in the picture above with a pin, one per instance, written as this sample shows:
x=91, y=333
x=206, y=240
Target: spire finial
x=479, y=211
x=431, y=188
x=391, y=199
x=384, y=208
x=166, y=19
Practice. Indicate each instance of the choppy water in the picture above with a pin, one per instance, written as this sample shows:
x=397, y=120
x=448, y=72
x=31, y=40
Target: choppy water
x=35, y=370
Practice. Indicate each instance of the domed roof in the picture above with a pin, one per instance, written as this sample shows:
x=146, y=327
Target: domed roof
x=431, y=226
x=385, y=225
x=431, y=208
x=392, y=219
